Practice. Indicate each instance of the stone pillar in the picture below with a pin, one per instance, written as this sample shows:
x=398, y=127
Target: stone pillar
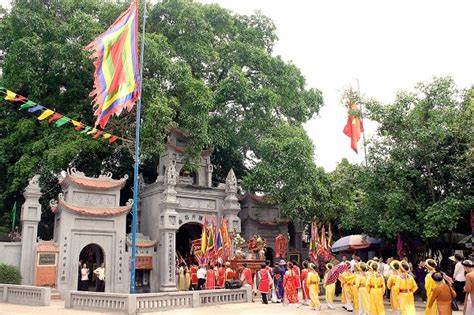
x=30, y=216
x=168, y=225
x=231, y=203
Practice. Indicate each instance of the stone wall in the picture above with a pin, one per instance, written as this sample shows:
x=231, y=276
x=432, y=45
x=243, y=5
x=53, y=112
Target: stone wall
x=11, y=253
x=152, y=302
x=25, y=294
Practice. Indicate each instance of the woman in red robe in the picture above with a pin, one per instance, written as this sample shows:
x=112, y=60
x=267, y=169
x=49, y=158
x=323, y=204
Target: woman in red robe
x=229, y=272
x=210, y=278
x=289, y=283
x=264, y=282
x=304, y=275
x=220, y=276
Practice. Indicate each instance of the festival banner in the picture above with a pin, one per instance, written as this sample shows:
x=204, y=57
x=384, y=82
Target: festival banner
x=58, y=119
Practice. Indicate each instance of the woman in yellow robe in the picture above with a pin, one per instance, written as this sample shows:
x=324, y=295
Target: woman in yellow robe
x=376, y=284
x=347, y=279
x=391, y=285
x=355, y=288
x=430, y=284
x=406, y=286
x=329, y=289
x=312, y=281
x=364, y=298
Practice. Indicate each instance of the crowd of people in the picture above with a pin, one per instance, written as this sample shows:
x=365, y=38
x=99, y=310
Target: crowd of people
x=363, y=286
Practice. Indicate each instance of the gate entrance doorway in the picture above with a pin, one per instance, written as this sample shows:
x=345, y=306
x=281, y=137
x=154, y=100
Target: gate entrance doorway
x=184, y=236
x=90, y=258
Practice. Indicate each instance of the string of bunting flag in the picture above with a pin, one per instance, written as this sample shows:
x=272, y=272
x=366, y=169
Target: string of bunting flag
x=58, y=119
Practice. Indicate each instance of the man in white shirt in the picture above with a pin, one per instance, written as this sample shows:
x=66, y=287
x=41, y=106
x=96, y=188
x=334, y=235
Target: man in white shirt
x=201, y=275
x=459, y=278
x=100, y=280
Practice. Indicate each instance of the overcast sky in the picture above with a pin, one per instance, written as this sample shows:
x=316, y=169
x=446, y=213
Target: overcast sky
x=387, y=45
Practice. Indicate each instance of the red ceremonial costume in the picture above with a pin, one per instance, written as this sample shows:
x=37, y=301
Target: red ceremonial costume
x=194, y=278
x=264, y=284
x=289, y=283
x=229, y=274
x=304, y=275
x=247, y=276
x=210, y=279
x=220, y=277
x=296, y=269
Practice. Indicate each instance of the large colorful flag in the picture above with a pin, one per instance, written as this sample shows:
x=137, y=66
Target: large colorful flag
x=116, y=77
x=353, y=128
x=204, y=237
x=210, y=239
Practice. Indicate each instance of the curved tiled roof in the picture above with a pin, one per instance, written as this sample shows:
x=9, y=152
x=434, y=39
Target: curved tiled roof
x=91, y=182
x=93, y=212
x=145, y=243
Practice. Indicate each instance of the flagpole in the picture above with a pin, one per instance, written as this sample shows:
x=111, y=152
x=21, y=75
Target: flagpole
x=362, y=120
x=137, y=161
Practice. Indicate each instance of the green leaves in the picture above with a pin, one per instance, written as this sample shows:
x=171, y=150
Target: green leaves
x=207, y=71
x=419, y=179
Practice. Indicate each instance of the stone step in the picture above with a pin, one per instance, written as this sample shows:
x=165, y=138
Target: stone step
x=55, y=294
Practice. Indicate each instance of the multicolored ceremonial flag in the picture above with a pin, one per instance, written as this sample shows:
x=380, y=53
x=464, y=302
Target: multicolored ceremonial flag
x=204, y=237
x=314, y=241
x=353, y=128
x=116, y=77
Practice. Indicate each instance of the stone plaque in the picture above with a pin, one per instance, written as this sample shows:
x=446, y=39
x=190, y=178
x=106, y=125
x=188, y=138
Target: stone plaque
x=192, y=203
x=93, y=200
x=47, y=259
x=190, y=217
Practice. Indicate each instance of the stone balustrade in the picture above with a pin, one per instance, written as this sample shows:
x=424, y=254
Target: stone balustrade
x=152, y=302
x=25, y=294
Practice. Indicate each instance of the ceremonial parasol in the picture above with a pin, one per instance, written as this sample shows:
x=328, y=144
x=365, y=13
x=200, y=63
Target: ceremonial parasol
x=354, y=242
x=334, y=273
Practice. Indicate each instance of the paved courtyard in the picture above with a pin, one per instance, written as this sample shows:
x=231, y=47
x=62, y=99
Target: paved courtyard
x=57, y=308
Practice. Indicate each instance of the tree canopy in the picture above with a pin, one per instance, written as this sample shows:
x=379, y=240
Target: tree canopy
x=418, y=182
x=208, y=71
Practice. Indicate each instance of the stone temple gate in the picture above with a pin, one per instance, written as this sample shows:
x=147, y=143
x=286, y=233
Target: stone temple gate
x=90, y=224
x=178, y=198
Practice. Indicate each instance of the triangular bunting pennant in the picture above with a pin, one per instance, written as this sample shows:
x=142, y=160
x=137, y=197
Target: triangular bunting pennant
x=86, y=129
x=45, y=114
x=35, y=109
x=94, y=130
x=62, y=121
x=77, y=125
x=54, y=117
x=112, y=139
x=97, y=135
x=12, y=96
x=27, y=105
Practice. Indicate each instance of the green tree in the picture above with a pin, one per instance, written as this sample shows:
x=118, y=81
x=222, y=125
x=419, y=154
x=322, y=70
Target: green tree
x=208, y=71
x=419, y=179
